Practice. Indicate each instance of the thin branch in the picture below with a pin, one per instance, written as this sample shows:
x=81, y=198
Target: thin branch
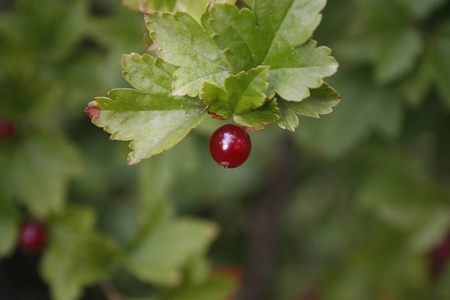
x=111, y=292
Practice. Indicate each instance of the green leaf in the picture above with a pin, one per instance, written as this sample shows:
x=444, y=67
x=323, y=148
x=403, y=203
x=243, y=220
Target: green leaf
x=246, y=41
x=284, y=25
x=193, y=7
x=233, y=31
x=9, y=223
x=245, y=90
x=53, y=32
x=442, y=290
x=165, y=247
x=131, y=4
x=294, y=72
x=148, y=74
x=402, y=10
x=254, y=120
x=378, y=262
x=157, y=177
x=382, y=34
x=367, y=107
x=288, y=117
x=421, y=9
x=403, y=195
x=154, y=122
x=320, y=102
x=197, y=269
x=152, y=119
x=295, y=63
x=243, y=96
x=187, y=45
x=397, y=52
x=441, y=62
x=39, y=170
x=168, y=5
x=127, y=28
x=276, y=35
x=433, y=70
x=418, y=84
x=76, y=255
x=216, y=287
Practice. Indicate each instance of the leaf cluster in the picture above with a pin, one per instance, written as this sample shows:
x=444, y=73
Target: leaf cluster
x=401, y=40
x=254, y=66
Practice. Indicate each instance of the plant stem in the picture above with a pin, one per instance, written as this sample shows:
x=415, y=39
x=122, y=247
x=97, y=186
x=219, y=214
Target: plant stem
x=265, y=220
x=111, y=292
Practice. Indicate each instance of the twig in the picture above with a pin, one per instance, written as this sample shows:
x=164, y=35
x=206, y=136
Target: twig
x=265, y=220
x=111, y=292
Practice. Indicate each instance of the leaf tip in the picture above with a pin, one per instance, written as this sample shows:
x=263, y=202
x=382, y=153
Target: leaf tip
x=131, y=161
x=291, y=128
x=92, y=111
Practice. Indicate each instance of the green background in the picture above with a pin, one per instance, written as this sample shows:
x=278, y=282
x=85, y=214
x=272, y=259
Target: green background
x=348, y=207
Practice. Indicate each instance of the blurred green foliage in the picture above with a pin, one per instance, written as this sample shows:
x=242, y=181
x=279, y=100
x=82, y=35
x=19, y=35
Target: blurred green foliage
x=348, y=207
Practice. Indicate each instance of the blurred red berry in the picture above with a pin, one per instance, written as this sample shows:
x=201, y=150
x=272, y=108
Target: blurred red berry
x=7, y=129
x=439, y=257
x=233, y=272
x=33, y=237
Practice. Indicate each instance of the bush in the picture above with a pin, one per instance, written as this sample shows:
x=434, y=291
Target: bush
x=352, y=205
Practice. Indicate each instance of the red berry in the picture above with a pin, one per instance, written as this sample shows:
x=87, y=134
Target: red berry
x=230, y=146
x=33, y=236
x=439, y=257
x=7, y=129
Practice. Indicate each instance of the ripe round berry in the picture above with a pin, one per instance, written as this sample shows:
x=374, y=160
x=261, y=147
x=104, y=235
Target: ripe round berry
x=230, y=146
x=7, y=128
x=33, y=236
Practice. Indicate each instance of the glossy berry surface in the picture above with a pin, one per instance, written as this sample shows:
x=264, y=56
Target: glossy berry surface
x=6, y=129
x=230, y=146
x=33, y=237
